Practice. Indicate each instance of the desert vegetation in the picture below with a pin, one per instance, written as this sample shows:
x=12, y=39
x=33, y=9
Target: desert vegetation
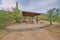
x=52, y=15
x=8, y=17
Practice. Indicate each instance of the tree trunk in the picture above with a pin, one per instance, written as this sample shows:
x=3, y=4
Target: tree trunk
x=50, y=23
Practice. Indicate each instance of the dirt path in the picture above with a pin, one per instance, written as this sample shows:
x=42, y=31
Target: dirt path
x=41, y=34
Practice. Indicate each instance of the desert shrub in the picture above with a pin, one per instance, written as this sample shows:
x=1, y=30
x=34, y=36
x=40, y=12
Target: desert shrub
x=58, y=19
x=3, y=18
x=17, y=15
x=42, y=17
x=7, y=17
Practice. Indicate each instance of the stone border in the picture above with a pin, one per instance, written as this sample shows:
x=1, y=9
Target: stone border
x=25, y=29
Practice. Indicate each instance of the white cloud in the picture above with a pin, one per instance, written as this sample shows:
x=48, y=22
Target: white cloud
x=40, y=5
x=7, y=4
x=34, y=5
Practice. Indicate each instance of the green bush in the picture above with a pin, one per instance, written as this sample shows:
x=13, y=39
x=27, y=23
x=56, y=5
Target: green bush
x=58, y=19
x=17, y=14
x=7, y=17
x=3, y=18
x=42, y=17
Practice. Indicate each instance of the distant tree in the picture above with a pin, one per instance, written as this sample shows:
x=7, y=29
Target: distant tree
x=57, y=14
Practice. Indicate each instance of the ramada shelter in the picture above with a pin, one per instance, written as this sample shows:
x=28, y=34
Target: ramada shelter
x=30, y=16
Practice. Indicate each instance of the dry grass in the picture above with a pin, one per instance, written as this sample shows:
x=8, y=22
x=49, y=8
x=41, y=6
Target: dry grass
x=55, y=29
x=2, y=33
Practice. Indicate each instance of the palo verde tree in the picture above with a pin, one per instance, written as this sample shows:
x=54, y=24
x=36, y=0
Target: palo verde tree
x=50, y=13
x=53, y=14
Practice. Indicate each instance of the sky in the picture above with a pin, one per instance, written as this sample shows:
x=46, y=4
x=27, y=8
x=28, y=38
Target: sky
x=40, y=6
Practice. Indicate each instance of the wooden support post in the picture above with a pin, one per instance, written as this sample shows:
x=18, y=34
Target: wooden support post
x=32, y=19
x=37, y=19
x=26, y=19
x=23, y=18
